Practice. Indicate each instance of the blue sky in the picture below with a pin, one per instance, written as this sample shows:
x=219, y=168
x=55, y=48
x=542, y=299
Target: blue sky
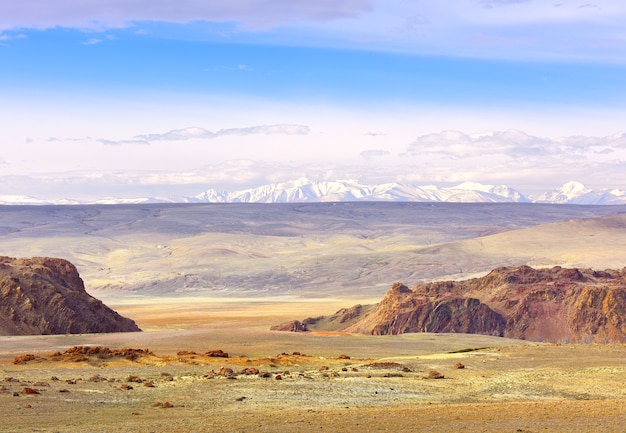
x=133, y=98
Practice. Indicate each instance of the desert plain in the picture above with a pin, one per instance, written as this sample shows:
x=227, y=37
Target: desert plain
x=201, y=278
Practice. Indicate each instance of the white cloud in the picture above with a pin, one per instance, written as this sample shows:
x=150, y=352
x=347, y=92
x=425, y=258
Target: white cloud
x=516, y=158
x=201, y=133
x=458, y=145
x=497, y=3
x=8, y=37
x=96, y=41
x=107, y=142
x=373, y=153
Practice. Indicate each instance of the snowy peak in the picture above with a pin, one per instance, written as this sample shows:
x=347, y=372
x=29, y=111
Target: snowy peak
x=305, y=190
x=577, y=193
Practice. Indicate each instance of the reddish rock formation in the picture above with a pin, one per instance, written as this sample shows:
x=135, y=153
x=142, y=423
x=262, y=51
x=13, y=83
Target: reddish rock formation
x=218, y=353
x=47, y=296
x=293, y=326
x=556, y=305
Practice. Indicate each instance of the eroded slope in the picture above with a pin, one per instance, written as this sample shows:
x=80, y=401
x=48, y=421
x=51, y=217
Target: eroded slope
x=556, y=304
x=47, y=296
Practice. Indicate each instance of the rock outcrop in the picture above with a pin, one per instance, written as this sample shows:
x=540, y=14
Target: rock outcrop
x=41, y=295
x=554, y=305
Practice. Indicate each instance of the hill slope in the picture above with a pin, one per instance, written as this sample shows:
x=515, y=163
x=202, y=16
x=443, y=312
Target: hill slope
x=557, y=305
x=47, y=296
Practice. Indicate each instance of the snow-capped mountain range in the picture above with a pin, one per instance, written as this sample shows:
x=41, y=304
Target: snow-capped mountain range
x=305, y=190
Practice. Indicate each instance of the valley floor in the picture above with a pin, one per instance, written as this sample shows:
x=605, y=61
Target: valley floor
x=316, y=382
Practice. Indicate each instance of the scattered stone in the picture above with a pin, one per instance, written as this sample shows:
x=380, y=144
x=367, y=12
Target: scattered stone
x=249, y=371
x=83, y=353
x=126, y=386
x=134, y=379
x=217, y=353
x=149, y=384
x=64, y=390
x=240, y=398
x=41, y=384
x=28, y=390
x=27, y=406
x=226, y=372
x=23, y=359
x=342, y=356
x=278, y=377
x=434, y=374
x=167, y=404
x=459, y=366
x=167, y=377
x=265, y=374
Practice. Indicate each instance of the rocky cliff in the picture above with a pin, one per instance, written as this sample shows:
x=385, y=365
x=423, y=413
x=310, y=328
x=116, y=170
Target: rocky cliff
x=556, y=305
x=47, y=296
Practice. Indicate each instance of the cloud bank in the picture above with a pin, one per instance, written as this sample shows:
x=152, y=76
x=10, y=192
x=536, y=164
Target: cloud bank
x=102, y=14
x=520, y=29
x=528, y=163
x=193, y=133
x=514, y=144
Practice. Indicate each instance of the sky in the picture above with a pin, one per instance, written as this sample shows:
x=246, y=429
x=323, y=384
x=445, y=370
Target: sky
x=135, y=98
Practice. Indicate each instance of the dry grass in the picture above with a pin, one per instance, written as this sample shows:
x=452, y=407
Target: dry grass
x=332, y=383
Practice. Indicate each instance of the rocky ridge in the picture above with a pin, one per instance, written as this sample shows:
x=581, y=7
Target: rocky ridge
x=552, y=305
x=41, y=296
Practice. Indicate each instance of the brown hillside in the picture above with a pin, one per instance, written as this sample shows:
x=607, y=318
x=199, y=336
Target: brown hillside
x=556, y=305
x=47, y=296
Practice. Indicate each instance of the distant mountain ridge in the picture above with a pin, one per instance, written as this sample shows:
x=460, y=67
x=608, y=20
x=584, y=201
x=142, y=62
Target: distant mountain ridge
x=305, y=190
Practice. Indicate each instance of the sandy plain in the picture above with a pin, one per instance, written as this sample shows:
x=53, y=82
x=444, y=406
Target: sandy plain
x=203, y=278
x=505, y=385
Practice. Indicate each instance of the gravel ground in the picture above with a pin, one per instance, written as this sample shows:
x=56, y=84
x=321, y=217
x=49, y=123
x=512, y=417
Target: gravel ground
x=527, y=388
